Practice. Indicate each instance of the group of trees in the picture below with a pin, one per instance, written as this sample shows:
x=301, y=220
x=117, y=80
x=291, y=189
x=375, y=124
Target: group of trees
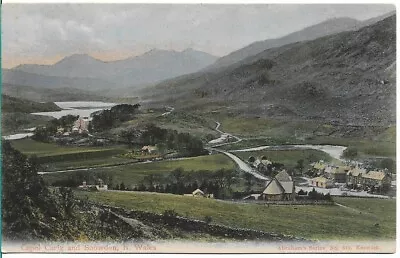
x=29, y=209
x=74, y=179
x=32, y=211
x=218, y=183
x=314, y=195
x=109, y=118
x=350, y=153
x=165, y=139
x=50, y=129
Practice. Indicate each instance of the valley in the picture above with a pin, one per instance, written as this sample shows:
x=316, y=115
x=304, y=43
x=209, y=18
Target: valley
x=285, y=139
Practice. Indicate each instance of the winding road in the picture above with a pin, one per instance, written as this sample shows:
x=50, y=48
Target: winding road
x=242, y=165
x=334, y=151
x=170, y=110
x=224, y=136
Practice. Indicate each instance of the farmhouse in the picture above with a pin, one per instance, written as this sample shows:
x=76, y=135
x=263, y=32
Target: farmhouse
x=322, y=182
x=319, y=166
x=199, y=193
x=148, y=149
x=376, y=180
x=81, y=126
x=99, y=186
x=262, y=164
x=337, y=173
x=354, y=177
x=281, y=188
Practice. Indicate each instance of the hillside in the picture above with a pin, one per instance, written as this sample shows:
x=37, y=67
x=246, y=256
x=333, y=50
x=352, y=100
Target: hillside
x=11, y=104
x=38, y=94
x=328, y=27
x=86, y=72
x=346, y=77
x=324, y=28
x=17, y=77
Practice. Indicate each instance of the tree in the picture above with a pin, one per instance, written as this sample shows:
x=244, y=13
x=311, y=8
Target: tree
x=251, y=159
x=300, y=166
x=350, y=153
x=208, y=219
x=312, y=158
x=122, y=187
x=67, y=200
x=128, y=135
x=388, y=164
x=249, y=181
x=151, y=180
x=177, y=175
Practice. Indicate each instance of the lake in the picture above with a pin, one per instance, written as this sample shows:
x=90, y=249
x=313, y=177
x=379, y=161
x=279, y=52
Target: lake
x=76, y=108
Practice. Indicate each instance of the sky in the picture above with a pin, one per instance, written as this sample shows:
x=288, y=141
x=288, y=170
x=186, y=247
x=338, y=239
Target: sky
x=44, y=34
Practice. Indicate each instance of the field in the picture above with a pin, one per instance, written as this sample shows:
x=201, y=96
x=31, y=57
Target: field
x=287, y=157
x=134, y=173
x=180, y=121
x=51, y=152
x=370, y=141
x=311, y=222
x=84, y=163
x=42, y=149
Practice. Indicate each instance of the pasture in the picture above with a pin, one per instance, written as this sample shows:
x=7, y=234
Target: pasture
x=329, y=222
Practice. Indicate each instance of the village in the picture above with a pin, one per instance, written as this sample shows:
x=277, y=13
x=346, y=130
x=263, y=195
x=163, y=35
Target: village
x=316, y=185
x=321, y=181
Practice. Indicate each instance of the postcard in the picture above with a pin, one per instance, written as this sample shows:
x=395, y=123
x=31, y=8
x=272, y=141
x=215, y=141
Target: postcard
x=198, y=128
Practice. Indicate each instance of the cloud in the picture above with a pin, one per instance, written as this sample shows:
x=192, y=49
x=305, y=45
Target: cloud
x=44, y=31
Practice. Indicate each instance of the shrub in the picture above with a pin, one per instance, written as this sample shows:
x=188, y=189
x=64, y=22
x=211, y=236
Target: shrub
x=350, y=153
x=170, y=214
x=208, y=219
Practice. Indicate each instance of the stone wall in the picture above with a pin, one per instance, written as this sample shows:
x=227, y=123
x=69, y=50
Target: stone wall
x=199, y=226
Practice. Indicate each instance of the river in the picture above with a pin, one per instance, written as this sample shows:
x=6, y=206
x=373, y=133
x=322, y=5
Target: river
x=334, y=151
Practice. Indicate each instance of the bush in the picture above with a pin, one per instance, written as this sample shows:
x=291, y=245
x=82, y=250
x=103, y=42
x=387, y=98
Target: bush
x=170, y=214
x=208, y=219
x=350, y=153
x=301, y=192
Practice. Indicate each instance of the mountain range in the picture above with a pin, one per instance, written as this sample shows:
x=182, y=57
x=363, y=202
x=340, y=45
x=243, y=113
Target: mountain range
x=339, y=70
x=85, y=72
x=348, y=77
x=324, y=28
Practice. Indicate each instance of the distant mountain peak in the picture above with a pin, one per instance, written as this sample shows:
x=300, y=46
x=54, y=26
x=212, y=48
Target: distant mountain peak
x=78, y=58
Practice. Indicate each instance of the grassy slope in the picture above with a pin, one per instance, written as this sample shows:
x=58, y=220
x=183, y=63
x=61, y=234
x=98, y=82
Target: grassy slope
x=16, y=114
x=29, y=147
x=313, y=222
x=133, y=174
x=273, y=132
x=16, y=122
x=84, y=163
x=180, y=121
x=11, y=104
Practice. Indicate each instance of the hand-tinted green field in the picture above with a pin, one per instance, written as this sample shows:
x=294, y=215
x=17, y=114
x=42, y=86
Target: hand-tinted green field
x=370, y=141
x=133, y=174
x=51, y=152
x=312, y=222
x=86, y=163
